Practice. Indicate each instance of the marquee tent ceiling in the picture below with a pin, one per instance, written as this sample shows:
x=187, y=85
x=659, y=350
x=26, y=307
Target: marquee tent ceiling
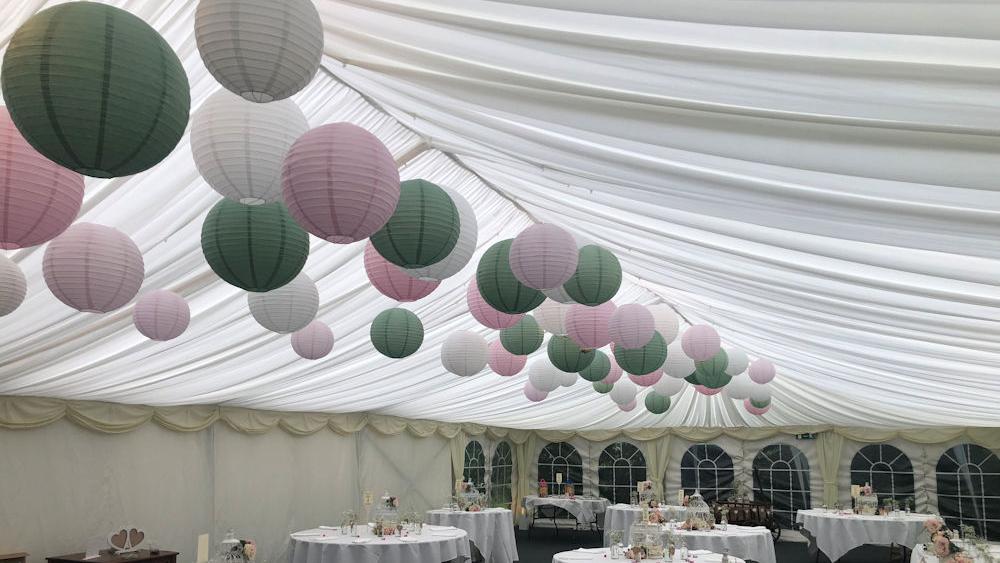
x=818, y=180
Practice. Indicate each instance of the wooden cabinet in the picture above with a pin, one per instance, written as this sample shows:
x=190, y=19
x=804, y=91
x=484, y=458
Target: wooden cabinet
x=141, y=556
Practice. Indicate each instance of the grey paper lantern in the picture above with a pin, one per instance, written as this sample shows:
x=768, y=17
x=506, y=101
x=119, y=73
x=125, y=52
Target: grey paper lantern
x=468, y=236
x=239, y=146
x=738, y=361
x=544, y=376
x=739, y=388
x=464, y=353
x=288, y=308
x=13, y=286
x=624, y=392
x=263, y=50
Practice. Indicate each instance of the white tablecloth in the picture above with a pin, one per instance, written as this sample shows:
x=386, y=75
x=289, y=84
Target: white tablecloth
x=583, y=555
x=921, y=556
x=434, y=545
x=836, y=533
x=492, y=530
x=748, y=542
x=584, y=509
x=621, y=517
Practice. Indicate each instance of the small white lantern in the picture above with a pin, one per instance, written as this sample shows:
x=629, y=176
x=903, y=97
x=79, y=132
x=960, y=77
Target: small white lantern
x=464, y=353
x=287, y=309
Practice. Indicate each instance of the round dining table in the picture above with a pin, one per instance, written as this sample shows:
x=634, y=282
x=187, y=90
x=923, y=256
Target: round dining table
x=836, y=532
x=491, y=531
x=603, y=555
x=921, y=555
x=622, y=516
x=436, y=544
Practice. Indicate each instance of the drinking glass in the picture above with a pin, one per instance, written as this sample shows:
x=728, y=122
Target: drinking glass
x=616, y=537
x=633, y=498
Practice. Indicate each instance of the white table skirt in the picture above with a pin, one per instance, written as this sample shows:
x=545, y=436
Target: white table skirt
x=919, y=555
x=602, y=555
x=584, y=509
x=621, y=517
x=329, y=546
x=837, y=533
x=492, y=531
x=747, y=542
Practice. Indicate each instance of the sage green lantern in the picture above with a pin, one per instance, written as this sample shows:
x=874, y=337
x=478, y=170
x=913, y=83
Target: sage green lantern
x=640, y=361
x=397, y=333
x=598, y=369
x=760, y=404
x=424, y=228
x=498, y=286
x=603, y=388
x=523, y=338
x=597, y=278
x=712, y=372
x=567, y=356
x=656, y=403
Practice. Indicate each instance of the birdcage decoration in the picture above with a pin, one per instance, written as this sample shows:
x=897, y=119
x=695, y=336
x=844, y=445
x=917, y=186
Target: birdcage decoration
x=646, y=539
x=699, y=514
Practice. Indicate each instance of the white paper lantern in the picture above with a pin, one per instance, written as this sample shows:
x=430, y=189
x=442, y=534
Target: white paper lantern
x=738, y=361
x=544, y=376
x=665, y=321
x=239, y=146
x=287, y=309
x=464, y=353
x=551, y=316
x=559, y=295
x=263, y=50
x=677, y=365
x=760, y=393
x=739, y=388
x=668, y=386
x=468, y=237
x=623, y=392
x=629, y=406
x=313, y=342
x=161, y=315
x=568, y=379
x=13, y=286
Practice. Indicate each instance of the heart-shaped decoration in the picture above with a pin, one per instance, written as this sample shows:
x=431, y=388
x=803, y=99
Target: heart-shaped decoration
x=135, y=537
x=119, y=539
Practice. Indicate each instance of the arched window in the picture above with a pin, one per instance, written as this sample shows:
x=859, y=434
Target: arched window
x=781, y=476
x=560, y=457
x=887, y=469
x=968, y=489
x=707, y=468
x=619, y=468
x=500, y=472
x=475, y=465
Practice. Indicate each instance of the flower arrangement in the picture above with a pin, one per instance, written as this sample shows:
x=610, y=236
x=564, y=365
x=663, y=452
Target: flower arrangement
x=543, y=488
x=656, y=517
x=237, y=549
x=940, y=543
x=866, y=490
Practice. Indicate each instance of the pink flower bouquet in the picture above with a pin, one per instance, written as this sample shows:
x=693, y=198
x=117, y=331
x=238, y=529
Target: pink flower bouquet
x=942, y=545
x=933, y=525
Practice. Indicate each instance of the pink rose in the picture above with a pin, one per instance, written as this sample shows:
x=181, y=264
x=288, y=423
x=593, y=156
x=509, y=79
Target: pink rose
x=932, y=525
x=942, y=545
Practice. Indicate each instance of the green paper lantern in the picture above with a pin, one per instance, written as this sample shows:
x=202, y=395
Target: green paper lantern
x=254, y=247
x=656, y=403
x=523, y=338
x=598, y=369
x=712, y=372
x=95, y=89
x=397, y=333
x=603, y=388
x=498, y=286
x=760, y=404
x=597, y=278
x=567, y=356
x=424, y=228
x=640, y=361
x=693, y=379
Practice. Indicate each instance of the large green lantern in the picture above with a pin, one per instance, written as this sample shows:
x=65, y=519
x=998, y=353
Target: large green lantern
x=597, y=278
x=640, y=361
x=95, y=89
x=603, y=388
x=598, y=369
x=424, y=228
x=254, y=247
x=693, y=379
x=523, y=338
x=712, y=372
x=656, y=403
x=498, y=286
x=567, y=356
x=760, y=404
x=397, y=333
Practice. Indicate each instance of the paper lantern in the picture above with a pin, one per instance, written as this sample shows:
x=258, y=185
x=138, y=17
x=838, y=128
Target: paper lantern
x=397, y=333
x=738, y=361
x=599, y=368
x=93, y=268
x=314, y=341
x=424, y=228
x=239, y=147
x=544, y=376
x=551, y=316
x=752, y=409
x=597, y=278
x=588, y=326
x=761, y=370
x=486, y=315
x=631, y=326
x=664, y=321
x=534, y=395
x=523, y=338
x=656, y=403
x=648, y=379
x=95, y=89
x=503, y=362
x=603, y=388
x=623, y=392
x=640, y=361
x=263, y=50
x=567, y=356
x=543, y=256
x=392, y=281
x=706, y=390
x=568, y=379
x=628, y=407
x=13, y=286
x=668, y=386
x=161, y=315
x=38, y=198
x=468, y=236
x=700, y=342
x=559, y=295
x=498, y=286
x=288, y=308
x=712, y=372
x=256, y=248
x=340, y=183
x=616, y=371
x=677, y=364
x=739, y=388
x=464, y=353
x=760, y=393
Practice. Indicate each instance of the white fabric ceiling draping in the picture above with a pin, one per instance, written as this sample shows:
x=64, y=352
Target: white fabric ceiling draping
x=815, y=179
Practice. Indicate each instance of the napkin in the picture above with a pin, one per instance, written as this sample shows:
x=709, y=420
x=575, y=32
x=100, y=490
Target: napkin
x=362, y=540
x=699, y=552
x=591, y=549
x=436, y=527
x=408, y=539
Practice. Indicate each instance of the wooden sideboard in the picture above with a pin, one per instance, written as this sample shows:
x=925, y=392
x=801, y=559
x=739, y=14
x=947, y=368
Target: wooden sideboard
x=140, y=556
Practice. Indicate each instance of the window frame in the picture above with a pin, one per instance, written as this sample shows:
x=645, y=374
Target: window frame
x=988, y=526
x=875, y=456
x=506, y=469
x=784, y=515
x=634, y=463
x=700, y=453
x=479, y=482
x=566, y=466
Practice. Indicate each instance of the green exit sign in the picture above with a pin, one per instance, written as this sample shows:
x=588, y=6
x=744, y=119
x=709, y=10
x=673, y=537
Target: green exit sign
x=809, y=436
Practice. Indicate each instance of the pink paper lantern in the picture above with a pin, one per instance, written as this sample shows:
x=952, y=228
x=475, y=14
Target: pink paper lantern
x=340, y=183
x=486, y=315
x=700, y=342
x=534, y=395
x=93, y=268
x=161, y=315
x=543, y=256
x=588, y=326
x=38, y=198
x=503, y=362
x=393, y=281
x=761, y=371
x=616, y=371
x=754, y=410
x=314, y=341
x=628, y=407
x=631, y=326
x=706, y=391
x=648, y=380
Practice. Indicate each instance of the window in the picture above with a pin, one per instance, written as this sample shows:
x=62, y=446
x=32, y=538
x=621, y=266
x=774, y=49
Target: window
x=560, y=457
x=708, y=469
x=475, y=465
x=500, y=472
x=619, y=468
x=968, y=483
x=887, y=469
x=781, y=476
